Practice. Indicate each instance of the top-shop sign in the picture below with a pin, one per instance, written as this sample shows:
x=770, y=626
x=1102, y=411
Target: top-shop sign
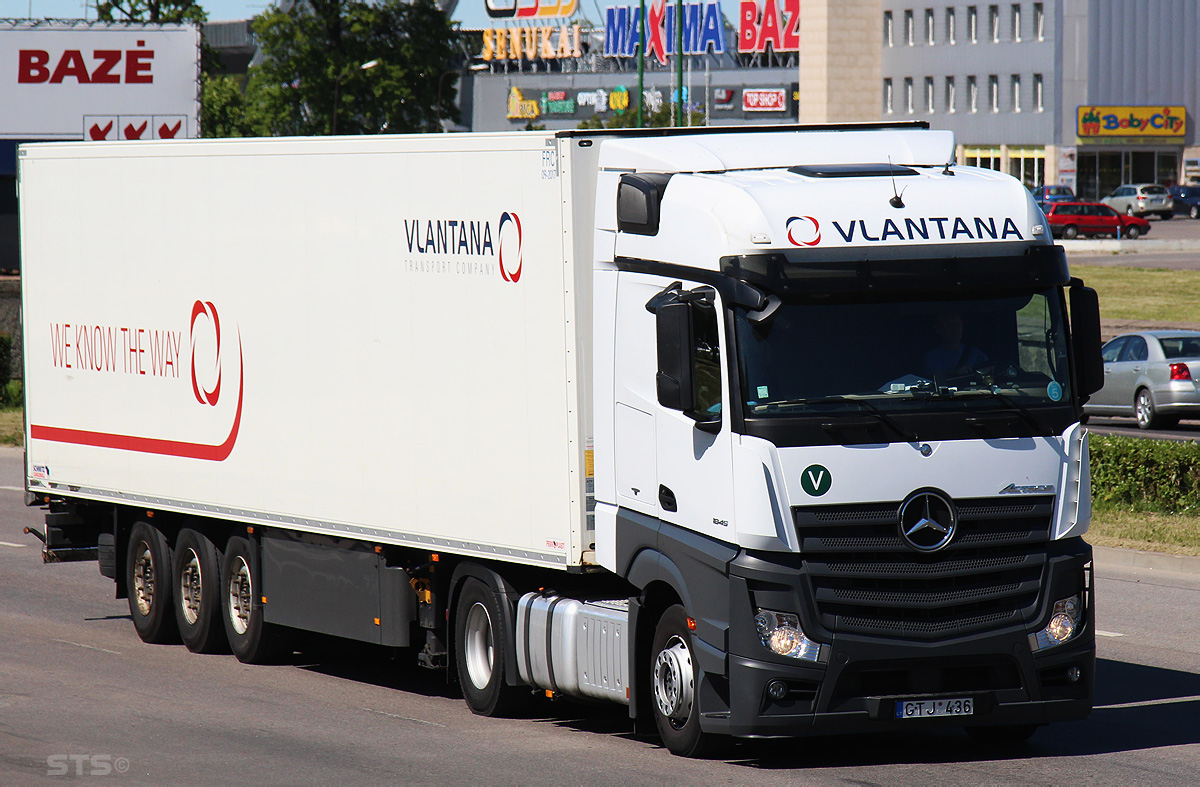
x=99, y=81
x=1137, y=121
x=530, y=9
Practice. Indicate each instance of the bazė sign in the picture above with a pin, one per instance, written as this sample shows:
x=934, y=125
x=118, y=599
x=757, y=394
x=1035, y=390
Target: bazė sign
x=1130, y=121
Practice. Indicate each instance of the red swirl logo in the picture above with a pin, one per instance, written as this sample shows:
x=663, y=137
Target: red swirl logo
x=202, y=392
x=510, y=247
x=803, y=231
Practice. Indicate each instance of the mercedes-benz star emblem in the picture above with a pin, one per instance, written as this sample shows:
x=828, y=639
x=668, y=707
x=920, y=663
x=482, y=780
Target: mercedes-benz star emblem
x=927, y=521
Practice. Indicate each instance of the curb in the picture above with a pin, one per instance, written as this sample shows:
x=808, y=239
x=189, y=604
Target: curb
x=1126, y=246
x=1156, y=561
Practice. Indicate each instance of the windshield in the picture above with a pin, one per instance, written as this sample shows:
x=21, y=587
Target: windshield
x=903, y=356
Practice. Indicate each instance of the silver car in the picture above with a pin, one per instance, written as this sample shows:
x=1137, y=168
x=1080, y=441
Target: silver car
x=1152, y=376
x=1141, y=199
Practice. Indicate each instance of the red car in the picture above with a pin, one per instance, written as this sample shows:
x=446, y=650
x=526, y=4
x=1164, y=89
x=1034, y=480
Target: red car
x=1072, y=219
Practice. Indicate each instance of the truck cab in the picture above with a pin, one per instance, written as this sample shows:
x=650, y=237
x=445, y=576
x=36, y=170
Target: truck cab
x=851, y=453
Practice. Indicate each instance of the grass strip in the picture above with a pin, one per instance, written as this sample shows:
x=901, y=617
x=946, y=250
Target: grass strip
x=12, y=426
x=1151, y=294
x=1172, y=534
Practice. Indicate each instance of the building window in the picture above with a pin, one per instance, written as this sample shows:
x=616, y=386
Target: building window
x=1039, y=97
x=951, y=98
x=1016, y=22
x=909, y=32
x=1028, y=165
x=929, y=26
x=908, y=96
x=887, y=96
x=994, y=23
x=1039, y=21
x=887, y=29
x=972, y=95
x=950, y=31
x=988, y=158
x=994, y=93
x=1016, y=92
x=929, y=103
x=973, y=24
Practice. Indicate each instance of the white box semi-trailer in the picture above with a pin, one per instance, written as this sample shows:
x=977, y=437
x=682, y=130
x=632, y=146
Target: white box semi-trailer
x=388, y=388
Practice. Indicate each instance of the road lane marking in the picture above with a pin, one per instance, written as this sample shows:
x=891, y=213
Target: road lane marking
x=10, y=544
x=403, y=718
x=1148, y=703
x=1100, y=633
x=89, y=647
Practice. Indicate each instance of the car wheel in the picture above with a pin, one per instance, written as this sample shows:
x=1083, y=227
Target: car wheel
x=1070, y=232
x=1194, y=212
x=1144, y=411
x=1165, y=216
x=1132, y=233
x=1128, y=210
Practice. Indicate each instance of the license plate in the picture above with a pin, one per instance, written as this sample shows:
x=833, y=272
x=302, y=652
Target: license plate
x=916, y=709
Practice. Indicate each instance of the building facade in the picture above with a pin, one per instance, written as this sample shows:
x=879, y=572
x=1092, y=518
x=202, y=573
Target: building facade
x=1089, y=93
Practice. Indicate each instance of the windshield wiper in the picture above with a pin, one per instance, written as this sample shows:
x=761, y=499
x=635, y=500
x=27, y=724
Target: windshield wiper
x=872, y=410
x=1018, y=409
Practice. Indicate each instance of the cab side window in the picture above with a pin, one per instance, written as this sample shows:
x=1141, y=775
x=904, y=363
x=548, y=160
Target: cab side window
x=707, y=377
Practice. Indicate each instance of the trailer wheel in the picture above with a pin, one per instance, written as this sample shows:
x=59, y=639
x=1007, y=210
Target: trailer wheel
x=148, y=577
x=252, y=640
x=197, y=593
x=480, y=645
x=673, y=674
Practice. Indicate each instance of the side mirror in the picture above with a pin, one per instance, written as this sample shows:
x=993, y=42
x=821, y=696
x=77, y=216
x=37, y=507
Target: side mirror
x=675, y=361
x=1085, y=338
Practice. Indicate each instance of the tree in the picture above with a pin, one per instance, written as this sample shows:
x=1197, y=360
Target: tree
x=664, y=117
x=313, y=55
x=154, y=11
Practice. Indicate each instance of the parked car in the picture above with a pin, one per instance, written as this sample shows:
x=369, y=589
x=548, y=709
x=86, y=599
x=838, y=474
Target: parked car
x=1071, y=219
x=1141, y=199
x=1187, y=200
x=1045, y=195
x=1150, y=375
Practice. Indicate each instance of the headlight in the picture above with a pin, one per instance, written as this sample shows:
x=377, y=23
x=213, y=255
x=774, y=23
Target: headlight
x=1064, y=624
x=781, y=634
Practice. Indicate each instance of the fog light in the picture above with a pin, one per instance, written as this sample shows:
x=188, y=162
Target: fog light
x=781, y=634
x=777, y=689
x=1074, y=673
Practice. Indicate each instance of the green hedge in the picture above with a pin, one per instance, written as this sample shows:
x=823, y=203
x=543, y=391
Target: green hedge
x=1145, y=475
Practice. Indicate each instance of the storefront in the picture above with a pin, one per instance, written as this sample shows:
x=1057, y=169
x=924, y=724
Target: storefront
x=1128, y=144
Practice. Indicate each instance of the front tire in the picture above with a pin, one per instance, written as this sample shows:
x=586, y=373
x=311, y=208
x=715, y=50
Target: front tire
x=1132, y=233
x=1194, y=212
x=252, y=639
x=1128, y=210
x=673, y=679
x=197, y=593
x=480, y=646
x=1070, y=232
x=148, y=580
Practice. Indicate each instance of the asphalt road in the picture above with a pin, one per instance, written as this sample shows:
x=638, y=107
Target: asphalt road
x=1154, y=250
x=81, y=695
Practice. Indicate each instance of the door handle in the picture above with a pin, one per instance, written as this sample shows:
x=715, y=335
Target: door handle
x=666, y=499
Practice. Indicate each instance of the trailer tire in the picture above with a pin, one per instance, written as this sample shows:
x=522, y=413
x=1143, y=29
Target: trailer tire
x=148, y=577
x=252, y=639
x=673, y=690
x=197, y=593
x=480, y=643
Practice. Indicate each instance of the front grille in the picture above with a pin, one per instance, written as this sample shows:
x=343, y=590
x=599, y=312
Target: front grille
x=864, y=579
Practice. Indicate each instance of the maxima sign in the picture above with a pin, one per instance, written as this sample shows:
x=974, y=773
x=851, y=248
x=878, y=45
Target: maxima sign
x=63, y=80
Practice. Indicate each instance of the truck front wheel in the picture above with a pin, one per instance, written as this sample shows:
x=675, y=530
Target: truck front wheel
x=197, y=597
x=148, y=578
x=480, y=645
x=252, y=640
x=673, y=678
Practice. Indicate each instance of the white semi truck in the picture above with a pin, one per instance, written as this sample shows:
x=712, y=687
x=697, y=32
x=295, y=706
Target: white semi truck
x=761, y=433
